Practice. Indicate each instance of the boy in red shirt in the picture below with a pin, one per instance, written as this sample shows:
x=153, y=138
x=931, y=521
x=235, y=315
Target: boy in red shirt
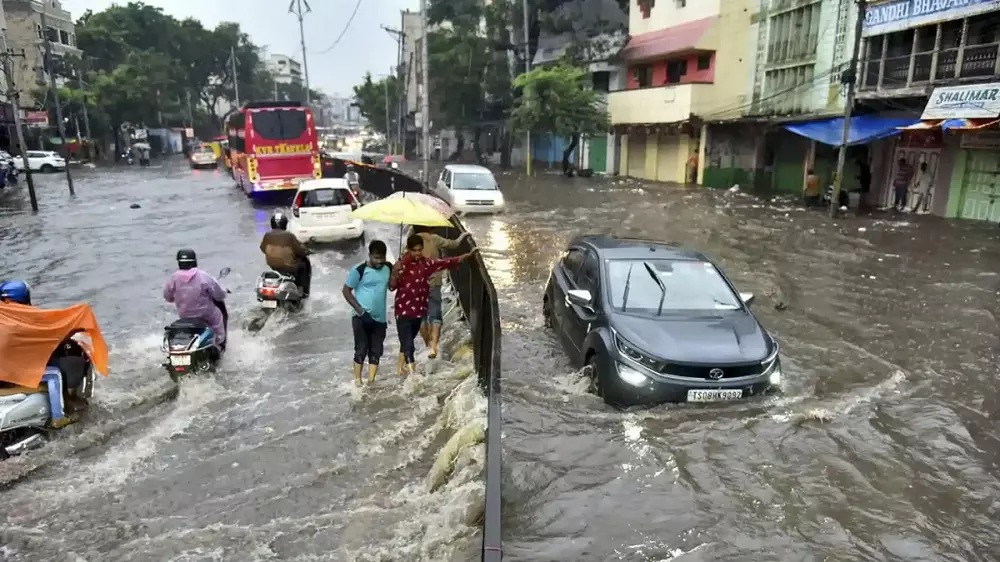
x=411, y=280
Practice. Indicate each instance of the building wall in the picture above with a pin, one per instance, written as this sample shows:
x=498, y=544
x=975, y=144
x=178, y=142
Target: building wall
x=411, y=57
x=285, y=69
x=668, y=13
x=24, y=31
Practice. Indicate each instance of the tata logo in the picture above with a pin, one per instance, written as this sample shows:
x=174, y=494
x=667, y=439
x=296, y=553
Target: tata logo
x=283, y=148
x=715, y=374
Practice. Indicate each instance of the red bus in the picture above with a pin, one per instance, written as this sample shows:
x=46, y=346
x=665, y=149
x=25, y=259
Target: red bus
x=273, y=146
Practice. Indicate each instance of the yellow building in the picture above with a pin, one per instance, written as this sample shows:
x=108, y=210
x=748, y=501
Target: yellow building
x=687, y=62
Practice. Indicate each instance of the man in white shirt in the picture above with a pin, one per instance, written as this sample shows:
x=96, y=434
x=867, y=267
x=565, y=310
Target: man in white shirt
x=923, y=181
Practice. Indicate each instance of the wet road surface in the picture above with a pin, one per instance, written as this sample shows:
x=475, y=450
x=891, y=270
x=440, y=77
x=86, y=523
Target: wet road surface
x=883, y=446
x=276, y=456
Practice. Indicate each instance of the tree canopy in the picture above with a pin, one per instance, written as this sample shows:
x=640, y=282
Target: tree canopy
x=558, y=100
x=371, y=98
x=130, y=74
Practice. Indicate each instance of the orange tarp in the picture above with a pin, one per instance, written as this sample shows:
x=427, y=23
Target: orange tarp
x=29, y=336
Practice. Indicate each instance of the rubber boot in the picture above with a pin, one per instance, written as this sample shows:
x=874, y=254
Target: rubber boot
x=357, y=374
x=435, y=339
x=400, y=364
x=372, y=371
x=411, y=369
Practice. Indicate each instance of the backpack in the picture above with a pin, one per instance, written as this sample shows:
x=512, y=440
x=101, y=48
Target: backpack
x=361, y=267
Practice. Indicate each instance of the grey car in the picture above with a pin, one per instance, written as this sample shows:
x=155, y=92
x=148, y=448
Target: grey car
x=654, y=322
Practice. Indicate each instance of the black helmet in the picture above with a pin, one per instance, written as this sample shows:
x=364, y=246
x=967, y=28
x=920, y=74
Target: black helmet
x=186, y=259
x=279, y=221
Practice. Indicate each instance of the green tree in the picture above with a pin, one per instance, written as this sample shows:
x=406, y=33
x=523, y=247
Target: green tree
x=558, y=100
x=371, y=97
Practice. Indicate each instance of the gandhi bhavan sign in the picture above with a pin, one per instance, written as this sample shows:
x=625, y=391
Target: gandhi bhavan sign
x=981, y=101
x=884, y=17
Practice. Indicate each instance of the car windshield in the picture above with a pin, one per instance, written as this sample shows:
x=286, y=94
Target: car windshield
x=690, y=285
x=326, y=198
x=475, y=180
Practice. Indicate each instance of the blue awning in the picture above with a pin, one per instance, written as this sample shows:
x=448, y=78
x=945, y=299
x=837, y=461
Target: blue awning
x=864, y=129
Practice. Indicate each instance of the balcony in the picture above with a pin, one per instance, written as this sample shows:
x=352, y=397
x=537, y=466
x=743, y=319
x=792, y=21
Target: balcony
x=912, y=62
x=665, y=104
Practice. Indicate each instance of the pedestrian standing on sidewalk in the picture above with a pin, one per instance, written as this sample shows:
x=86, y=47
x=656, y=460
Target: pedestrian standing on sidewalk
x=365, y=290
x=430, y=328
x=811, y=191
x=923, y=181
x=900, y=184
x=411, y=280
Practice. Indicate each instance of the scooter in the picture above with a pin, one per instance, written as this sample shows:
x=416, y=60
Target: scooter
x=190, y=344
x=29, y=415
x=277, y=290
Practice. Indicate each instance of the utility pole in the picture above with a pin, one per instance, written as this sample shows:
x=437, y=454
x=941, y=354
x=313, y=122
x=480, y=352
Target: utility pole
x=398, y=35
x=190, y=111
x=236, y=77
x=425, y=112
x=15, y=102
x=86, y=118
x=295, y=7
x=388, y=124
x=850, y=77
x=275, y=90
x=50, y=69
x=527, y=69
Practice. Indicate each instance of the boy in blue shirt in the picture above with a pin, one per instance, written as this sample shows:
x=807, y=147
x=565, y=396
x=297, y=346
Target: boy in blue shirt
x=365, y=290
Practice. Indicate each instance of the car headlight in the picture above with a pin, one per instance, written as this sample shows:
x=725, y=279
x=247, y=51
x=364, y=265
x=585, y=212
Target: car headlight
x=631, y=375
x=772, y=367
x=630, y=351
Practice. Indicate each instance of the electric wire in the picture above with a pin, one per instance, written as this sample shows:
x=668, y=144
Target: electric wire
x=343, y=32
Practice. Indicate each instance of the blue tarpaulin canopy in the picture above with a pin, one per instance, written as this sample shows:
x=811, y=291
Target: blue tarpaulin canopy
x=864, y=129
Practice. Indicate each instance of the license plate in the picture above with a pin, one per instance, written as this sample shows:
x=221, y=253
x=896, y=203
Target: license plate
x=180, y=360
x=719, y=395
x=269, y=304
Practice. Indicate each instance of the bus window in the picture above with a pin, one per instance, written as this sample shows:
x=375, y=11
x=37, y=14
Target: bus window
x=279, y=124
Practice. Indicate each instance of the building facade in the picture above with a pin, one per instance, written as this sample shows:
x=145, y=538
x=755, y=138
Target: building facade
x=938, y=61
x=687, y=64
x=285, y=69
x=26, y=32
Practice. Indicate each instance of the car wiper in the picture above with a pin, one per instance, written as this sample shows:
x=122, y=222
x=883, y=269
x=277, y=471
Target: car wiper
x=663, y=289
x=628, y=284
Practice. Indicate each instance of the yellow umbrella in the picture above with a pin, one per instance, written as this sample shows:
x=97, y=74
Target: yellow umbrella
x=401, y=210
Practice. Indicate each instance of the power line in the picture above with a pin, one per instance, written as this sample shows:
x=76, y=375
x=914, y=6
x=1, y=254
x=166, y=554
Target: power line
x=346, y=27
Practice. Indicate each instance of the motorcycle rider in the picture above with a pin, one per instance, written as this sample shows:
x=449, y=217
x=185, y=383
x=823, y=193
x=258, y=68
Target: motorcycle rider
x=69, y=357
x=285, y=254
x=198, y=295
x=353, y=180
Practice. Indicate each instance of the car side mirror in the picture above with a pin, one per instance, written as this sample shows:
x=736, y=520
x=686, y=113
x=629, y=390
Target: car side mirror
x=581, y=298
x=747, y=298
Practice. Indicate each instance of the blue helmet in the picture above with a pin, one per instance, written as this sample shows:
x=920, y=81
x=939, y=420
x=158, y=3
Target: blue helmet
x=15, y=291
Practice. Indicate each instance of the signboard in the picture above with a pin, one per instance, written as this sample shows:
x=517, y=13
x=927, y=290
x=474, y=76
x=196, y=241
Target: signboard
x=980, y=101
x=904, y=14
x=981, y=139
x=36, y=118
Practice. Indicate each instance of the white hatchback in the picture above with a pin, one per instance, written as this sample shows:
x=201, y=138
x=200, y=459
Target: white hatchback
x=322, y=212
x=470, y=189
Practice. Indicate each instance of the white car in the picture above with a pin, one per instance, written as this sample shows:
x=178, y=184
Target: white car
x=470, y=189
x=322, y=212
x=41, y=161
x=203, y=157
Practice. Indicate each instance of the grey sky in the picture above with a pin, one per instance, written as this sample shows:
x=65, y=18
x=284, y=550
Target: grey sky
x=364, y=47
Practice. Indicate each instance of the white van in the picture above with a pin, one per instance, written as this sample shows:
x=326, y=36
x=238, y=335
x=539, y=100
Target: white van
x=470, y=189
x=322, y=212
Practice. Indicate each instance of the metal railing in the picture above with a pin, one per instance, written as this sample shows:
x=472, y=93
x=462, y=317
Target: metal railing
x=478, y=298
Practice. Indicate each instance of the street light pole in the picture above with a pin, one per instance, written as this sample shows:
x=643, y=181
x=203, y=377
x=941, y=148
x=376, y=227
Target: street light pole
x=302, y=38
x=850, y=77
x=425, y=117
x=527, y=69
x=49, y=68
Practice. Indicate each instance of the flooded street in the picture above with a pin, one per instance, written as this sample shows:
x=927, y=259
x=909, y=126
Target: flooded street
x=274, y=457
x=883, y=446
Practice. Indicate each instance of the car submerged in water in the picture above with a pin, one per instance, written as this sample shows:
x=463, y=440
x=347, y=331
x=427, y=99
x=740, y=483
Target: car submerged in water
x=653, y=322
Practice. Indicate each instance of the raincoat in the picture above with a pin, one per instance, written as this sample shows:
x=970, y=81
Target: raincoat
x=195, y=294
x=30, y=335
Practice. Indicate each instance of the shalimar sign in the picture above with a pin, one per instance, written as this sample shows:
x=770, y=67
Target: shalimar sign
x=895, y=15
x=979, y=101
x=283, y=148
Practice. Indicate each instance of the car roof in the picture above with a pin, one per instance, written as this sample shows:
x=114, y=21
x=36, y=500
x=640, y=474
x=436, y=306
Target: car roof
x=325, y=183
x=621, y=247
x=467, y=169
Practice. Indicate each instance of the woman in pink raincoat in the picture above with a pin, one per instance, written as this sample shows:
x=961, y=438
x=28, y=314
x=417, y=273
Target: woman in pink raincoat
x=197, y=295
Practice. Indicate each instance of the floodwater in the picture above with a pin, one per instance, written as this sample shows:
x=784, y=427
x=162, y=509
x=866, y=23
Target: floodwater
x=883, y=446
x=274, y=457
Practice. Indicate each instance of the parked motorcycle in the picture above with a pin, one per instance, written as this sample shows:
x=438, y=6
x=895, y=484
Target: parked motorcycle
x=190, y=344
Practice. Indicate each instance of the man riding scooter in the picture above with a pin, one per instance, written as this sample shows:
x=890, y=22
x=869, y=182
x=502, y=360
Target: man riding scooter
x=69, y=357
x=353, y=181
x=286, y=255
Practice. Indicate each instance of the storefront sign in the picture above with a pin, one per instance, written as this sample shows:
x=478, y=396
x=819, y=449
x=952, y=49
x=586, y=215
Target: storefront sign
x=981, y=139
x=979, y=101
x=36, y=118
x=904, y=14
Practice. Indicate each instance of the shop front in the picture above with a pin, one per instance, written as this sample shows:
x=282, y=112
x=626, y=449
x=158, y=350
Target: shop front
x=661, y=152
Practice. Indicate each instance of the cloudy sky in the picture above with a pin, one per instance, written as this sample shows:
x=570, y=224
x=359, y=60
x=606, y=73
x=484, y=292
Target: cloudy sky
x=364, y=46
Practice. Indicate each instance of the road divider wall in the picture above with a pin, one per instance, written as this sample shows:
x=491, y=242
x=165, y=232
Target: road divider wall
x=478, y=298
